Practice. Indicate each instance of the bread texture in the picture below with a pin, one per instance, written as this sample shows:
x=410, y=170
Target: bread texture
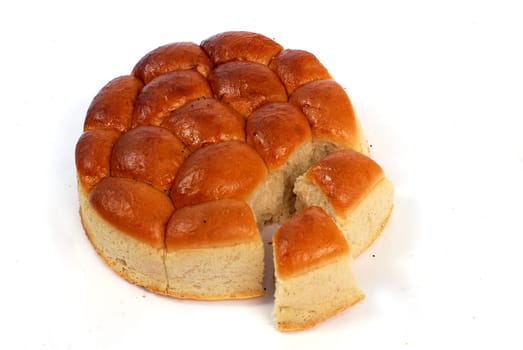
x=184, y=160
x=280, y=133
x=214, y=251
x=314, y=278
x=134, y=252
x=353, y=189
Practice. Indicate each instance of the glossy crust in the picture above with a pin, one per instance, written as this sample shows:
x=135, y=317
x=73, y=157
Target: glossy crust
x=276, y=130
x=93, y=156
x=134, y=207
x=309, y=240
x=172, y=57
x=345, y=176
x=246, y=86
x=167, y=93
x=211, y=224
x=112, y=107
x=171, y=155
x=329, y=111
x=150, y=154
x=204, y=122
x=240, y=46
x=297, y=67
x=228, y=169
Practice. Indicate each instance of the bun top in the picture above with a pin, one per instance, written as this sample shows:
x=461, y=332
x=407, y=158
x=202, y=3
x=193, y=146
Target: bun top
x=240, y=46
x=275, y=131
x=112, y=108
x=307, y=241
x=329, y=111
x=297, y=67
x=228, y=169
x=167, y=93
x=150, y=154
x=211, y=224
x=133, y=207
x=205, y=121
x=246, y=86
x=196, y=123
x=172, y=57
x=93, y=156
x=345, y=177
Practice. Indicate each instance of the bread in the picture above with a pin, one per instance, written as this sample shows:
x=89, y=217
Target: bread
x=314, y=278
x=214, y=251
x=353, y=189
x=125, y=221
x=182, y=161
x=281, y=135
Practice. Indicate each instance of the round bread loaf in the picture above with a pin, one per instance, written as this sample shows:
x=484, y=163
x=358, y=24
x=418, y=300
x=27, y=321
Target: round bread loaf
x=184, y=159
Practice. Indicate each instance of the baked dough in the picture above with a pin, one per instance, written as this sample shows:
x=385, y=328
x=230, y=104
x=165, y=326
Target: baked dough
x=183, y=160
x=314, y=277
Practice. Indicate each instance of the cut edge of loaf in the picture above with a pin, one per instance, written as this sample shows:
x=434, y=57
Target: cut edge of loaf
x=308, y=298
x=132, y=259
x=273, y=200
x=363, y=223
x=216, y=273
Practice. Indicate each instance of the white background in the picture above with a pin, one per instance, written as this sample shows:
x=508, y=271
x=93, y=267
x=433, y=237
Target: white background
x=439, y=90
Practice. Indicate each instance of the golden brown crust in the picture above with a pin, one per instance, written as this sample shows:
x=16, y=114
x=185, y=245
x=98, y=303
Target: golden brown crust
x=275, y=131
x=211, y=224
x=229, y=169
x=329, y=111
x=93, y=156
x=227, y=101
x=172, y=57
x=310, y=239
x=148, y=153
x=205, y=121
x=298, y=67
x=133, y=207
x=345, y=177
x=246, y=86
x=112, y=107
x=166, y=93
x=240, y=46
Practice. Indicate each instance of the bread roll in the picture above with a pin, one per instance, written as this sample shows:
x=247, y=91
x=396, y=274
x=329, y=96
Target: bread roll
x=166, y=93
x=170, y=58
x=150, y=154
x=280, y=133
x=240, y=46
x=229, y=169
x=353, y=189
x=333, y=121
x=205, y=121
x=125, y=221
x=314, y=278
x=298, y=67
x=112, y=107
x=93, y=156
x=214, y=251
x=246, y=86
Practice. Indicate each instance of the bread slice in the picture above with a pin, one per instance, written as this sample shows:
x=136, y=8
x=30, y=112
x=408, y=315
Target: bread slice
x=353, y=190
x=314, y=277
x=214, y=251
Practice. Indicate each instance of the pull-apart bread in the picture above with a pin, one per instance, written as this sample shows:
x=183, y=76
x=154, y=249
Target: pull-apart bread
x=182, y=161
